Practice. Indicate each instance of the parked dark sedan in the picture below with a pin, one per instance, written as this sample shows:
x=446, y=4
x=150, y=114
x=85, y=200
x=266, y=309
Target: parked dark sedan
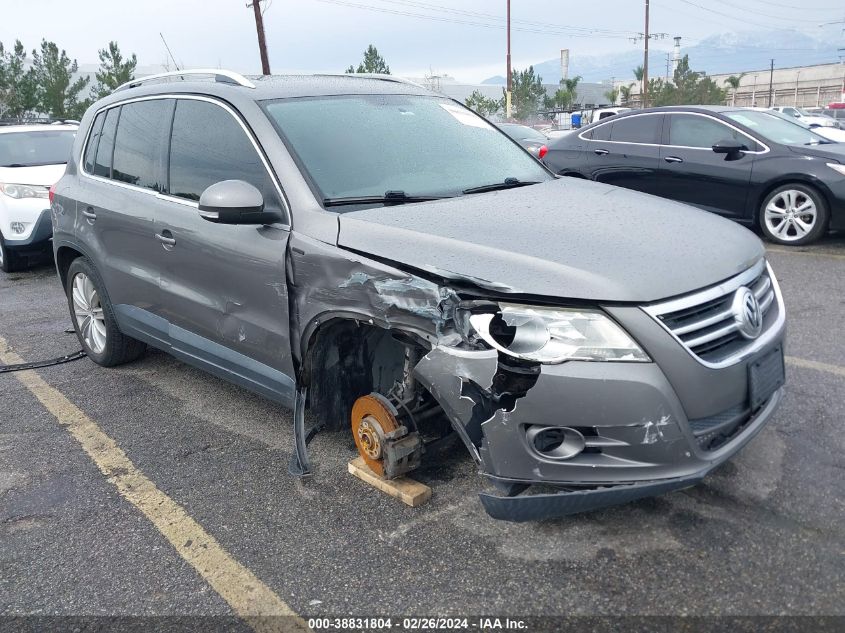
x=748, y=165
x=535, y=142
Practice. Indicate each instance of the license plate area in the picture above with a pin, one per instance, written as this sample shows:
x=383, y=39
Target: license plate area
x=766, y=374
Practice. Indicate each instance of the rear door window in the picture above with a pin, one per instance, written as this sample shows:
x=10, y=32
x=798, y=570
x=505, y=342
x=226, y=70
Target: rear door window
x=138, y=147
x=105, y=147
x=207, y=146
x=636, y=129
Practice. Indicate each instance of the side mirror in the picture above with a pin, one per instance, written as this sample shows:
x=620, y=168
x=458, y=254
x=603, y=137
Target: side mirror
x=234, y=202
x=729, y=147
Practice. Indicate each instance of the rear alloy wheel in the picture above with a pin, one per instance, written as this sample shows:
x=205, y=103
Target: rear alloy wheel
x=793, y=215
x=93, y=318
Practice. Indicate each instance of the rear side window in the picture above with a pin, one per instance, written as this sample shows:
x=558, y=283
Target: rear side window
x=689, y=130
x=93, y=140
x=138, y=147
x=602, y=132
x=636, y=129
x=102, y=164
x=208, y=145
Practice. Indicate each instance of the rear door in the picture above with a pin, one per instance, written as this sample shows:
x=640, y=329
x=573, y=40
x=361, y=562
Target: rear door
x=625, y=152
x=123, y=169
x=223, y=287
x=692, y=172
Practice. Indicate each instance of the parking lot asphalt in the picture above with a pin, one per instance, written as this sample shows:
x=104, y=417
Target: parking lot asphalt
x=762, y=535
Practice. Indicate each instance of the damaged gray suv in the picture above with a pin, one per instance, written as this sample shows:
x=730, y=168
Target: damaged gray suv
x=380, y=255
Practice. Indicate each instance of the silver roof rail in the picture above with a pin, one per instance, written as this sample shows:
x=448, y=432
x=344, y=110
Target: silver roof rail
x=220, y=76
x=379, y=76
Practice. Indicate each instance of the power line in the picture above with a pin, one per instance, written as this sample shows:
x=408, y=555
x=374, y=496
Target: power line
x=543, y=31
x=767, y=15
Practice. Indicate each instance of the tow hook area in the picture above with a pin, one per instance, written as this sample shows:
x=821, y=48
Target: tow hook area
x=385, y=443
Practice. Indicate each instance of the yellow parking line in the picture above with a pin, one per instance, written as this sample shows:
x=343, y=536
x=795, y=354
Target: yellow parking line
x=250, y=598
x=788, y=251
x=812, y=364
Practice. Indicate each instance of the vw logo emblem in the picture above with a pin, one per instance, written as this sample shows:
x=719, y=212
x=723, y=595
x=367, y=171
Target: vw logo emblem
x=747, y=314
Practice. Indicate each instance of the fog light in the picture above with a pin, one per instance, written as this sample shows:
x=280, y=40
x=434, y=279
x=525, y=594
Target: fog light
x=555, y=442
x=18, y=227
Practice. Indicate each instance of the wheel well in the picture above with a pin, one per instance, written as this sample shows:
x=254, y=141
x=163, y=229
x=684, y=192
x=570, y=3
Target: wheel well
x=768, y=190
x=64, y=258
x=347, y=359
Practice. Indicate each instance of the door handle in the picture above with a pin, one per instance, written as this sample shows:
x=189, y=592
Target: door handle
x=602, y=152
x=165, y=237
x=673, y=159
x=89, y=214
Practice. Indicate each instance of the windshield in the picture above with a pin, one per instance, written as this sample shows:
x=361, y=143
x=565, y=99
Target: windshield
x=30, y=149
x=776, y=129
x=523, y=132
x=369, y=145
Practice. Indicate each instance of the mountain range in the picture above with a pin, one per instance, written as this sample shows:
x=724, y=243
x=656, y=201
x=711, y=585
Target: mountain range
x=724, y=53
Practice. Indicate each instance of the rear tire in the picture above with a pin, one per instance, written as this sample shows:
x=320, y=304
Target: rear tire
x=9, y=262
x=93, y=318
x=793, y=215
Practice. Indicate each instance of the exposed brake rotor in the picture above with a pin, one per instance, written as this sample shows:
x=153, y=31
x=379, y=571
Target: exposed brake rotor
x=373, y=417
x=384, y=444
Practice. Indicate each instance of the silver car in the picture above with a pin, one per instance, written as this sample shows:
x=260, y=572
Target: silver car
x=381, y=255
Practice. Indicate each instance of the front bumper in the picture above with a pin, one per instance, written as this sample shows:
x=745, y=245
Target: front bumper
x=647, y=427
x=544, y=506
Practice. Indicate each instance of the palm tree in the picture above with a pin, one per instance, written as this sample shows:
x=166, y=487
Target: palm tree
x=625, y=92
x=612, y=95
x=639, y=73
x=733, y=81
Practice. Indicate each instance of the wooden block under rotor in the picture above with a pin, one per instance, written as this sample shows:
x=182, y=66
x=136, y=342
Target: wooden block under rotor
x=408, y=491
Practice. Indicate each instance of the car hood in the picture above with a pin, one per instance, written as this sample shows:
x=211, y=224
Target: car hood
x=567, y=238
x=45, y=175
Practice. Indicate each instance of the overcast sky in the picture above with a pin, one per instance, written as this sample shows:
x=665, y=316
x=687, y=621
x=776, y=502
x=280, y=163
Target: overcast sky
x=465, y=38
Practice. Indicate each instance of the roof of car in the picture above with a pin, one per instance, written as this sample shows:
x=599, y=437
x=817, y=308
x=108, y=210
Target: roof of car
x=278, y=86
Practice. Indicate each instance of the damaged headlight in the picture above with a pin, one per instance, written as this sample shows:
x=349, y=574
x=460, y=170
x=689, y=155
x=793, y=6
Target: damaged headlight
x=555, y=335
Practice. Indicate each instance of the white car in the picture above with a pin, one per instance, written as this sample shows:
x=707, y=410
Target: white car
x=32, y=159
x=807, y=117
x=830, y=133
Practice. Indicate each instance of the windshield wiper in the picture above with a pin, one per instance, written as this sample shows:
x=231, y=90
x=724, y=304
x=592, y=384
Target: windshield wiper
x=508, y=183
x=825, y=142
x=389, y=198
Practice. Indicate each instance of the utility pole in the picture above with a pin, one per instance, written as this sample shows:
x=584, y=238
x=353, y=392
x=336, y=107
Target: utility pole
x=262, y=42
x=771, y=83
x=646, y=38
x=509, y=90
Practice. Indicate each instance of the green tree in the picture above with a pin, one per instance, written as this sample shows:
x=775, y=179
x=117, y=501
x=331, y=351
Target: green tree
x=114, y=70
x=373, y=63
x=17, y=84
x=528, y=93
x=483, y=105
x=733, y=81
x=687, y=88
x=56, y=91
x=612, y=95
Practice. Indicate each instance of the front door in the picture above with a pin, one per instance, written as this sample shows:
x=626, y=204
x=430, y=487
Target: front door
x=223, y=286
x=692, y=172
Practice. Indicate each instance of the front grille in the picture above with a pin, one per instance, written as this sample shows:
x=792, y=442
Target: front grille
x=704, y=321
